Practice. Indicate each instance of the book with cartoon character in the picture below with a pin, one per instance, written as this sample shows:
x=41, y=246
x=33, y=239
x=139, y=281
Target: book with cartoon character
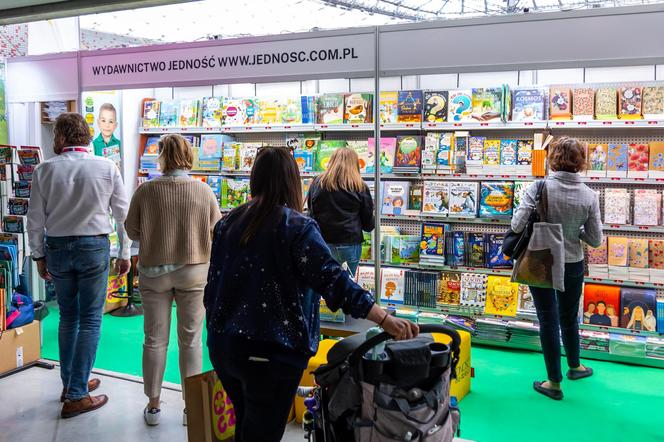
x=392, y=285
x=502, y=296
x=395, y=197
x=436, y=197
x=432, y=244
x=597, y=160
x=601, y=304
x=463, y=199
x=638, y=309
x=435, y=106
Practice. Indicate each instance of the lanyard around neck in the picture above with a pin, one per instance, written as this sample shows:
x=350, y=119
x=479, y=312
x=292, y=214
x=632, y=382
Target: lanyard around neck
x=75, y=149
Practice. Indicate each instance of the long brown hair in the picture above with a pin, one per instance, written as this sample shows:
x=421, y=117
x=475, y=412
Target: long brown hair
x=275, y=181
x=343, y=173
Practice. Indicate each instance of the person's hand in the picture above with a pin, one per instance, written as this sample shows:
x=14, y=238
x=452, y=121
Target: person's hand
x=400, y=329
x=42, y=270
x=122, y=266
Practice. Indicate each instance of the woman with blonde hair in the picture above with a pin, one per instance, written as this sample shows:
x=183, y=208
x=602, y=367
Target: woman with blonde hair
x=340, y=202
x=172, y=217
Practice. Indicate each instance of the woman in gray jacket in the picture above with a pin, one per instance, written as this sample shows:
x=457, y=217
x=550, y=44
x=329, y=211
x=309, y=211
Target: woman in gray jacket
x=575, y=206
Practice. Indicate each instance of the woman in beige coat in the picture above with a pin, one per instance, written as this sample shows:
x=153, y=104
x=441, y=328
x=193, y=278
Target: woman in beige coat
x=172, y=217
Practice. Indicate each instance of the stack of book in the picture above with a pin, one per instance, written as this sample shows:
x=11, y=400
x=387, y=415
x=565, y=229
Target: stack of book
x=491, y=329
x=524, y=333
x=594, y=340
x=627, y=345
x=655, y=348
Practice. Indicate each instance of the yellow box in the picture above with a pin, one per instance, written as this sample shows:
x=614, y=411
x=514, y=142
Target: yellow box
x=460, y=386
x=307, y=378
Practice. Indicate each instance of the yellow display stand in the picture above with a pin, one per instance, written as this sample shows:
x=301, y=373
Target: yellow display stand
x=459, y=387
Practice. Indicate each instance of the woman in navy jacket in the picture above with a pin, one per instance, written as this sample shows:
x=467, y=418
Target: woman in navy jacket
x=267, y=262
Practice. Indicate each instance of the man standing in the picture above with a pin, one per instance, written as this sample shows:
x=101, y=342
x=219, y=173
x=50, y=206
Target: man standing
x=68, y=227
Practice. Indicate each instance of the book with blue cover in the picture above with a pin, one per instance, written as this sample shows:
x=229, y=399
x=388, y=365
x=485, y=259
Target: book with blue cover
x=432, y=244
x=638, y=309
x=456, y=249
x=475, y=249
x=169, y=113
x=529, y=105
x=495, y=258
x=496, y=198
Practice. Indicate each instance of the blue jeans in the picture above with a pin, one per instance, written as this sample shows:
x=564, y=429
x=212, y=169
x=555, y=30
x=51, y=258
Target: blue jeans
x=79, y=267
x=559, y=312
x=348, y=253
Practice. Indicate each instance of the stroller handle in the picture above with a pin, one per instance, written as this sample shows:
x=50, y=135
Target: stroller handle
x=367, y=345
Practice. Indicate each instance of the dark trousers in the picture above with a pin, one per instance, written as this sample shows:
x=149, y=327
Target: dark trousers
x=262, y=392
x=559, y=312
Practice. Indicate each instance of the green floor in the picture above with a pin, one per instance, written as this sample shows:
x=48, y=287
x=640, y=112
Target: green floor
x=620, y=403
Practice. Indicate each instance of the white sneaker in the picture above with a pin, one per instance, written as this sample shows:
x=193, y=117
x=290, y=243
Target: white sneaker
x=151, y=416
x=184, y=417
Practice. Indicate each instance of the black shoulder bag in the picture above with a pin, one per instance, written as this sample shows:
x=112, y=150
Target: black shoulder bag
x=514, y=243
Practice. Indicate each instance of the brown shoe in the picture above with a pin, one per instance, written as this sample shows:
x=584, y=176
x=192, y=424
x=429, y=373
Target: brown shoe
x=93, y=384
x=88, y=403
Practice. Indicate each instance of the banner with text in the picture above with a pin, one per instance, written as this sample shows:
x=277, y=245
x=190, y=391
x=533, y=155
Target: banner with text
x=341, y=55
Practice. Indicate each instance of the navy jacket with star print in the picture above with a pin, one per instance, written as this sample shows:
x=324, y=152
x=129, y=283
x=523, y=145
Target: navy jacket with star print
x=265, y=291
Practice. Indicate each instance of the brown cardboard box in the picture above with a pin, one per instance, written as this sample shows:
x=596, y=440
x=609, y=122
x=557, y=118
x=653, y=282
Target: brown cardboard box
x=210, y=414
x=20, y=346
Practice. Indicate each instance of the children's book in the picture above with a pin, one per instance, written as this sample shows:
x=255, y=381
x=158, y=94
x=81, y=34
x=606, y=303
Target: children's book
x=308, y=109
x=211, y=147
x=330, y=109
x=248, y=153
x=415, y=197
x=460, y=105
x=560, y=103
x=430, y=152
x=388, y=147
x=18, y=206
x=520, y=188
x=358, y=108
x=151, y=113
x=304, y=159
x=473, y=289
x=491, y=157
x=526, y=303
x=463, y=199
x=234, y=112
x=618, y=251
x=475, y=249
x=444, y=158
x=476, y=150
x=13, y=224
x=361, y=148
x=524, y=157
x=405, y=249
x=529, y=105
x=487, y=104
x=597, y=159
x=366, y=278
x=29, y=155
x=653, y=102
x=392, y=285
x=638, y=309
x=213, y=111
x=25, y=172
x=495, y=258
x=189, y=113
x=215, y=183
x=647, y=207
x=502, y=296
x=449, y=288
x=410, y=106
x=6, y=154
x=435, y=106
x=234, y=193
x=456, y=249
x=583, y=104
x=395, y=197
x=656, y=159
x=616, y=165
x=268, y=111
x=617, y=206
x=432, y=245
x=638, y=161
x=508, y=154
x=389, y=107
x=630, y=103
x=408, y=155
x=22, y=189
x=436, y=198
x=496, y=198
x=230, y=157
x=638, y=253
x=291, y=110
x=606, y=103
x=325, y=150
x=169, y=113
x=601, y=304
x=460, y=152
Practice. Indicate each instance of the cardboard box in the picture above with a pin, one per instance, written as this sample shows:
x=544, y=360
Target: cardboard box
x=210, y=414
x=20, y=346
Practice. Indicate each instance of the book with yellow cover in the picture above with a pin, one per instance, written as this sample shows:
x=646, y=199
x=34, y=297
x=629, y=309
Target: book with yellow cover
x=502, y=296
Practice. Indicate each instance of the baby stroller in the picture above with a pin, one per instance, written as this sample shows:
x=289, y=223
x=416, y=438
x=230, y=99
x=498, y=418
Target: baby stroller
x=403, y=394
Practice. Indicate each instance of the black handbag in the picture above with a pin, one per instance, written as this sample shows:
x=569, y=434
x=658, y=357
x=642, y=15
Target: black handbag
x=514, y=243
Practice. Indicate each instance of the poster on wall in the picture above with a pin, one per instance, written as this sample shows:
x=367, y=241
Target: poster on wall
x=101, y=110
x=4, y=134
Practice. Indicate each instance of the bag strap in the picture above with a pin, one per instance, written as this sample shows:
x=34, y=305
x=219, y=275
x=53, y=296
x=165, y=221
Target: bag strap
x=542, y=201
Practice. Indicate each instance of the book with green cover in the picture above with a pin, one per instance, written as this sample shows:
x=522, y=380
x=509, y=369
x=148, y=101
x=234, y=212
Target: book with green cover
x=325, y=150
x=234, y=193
